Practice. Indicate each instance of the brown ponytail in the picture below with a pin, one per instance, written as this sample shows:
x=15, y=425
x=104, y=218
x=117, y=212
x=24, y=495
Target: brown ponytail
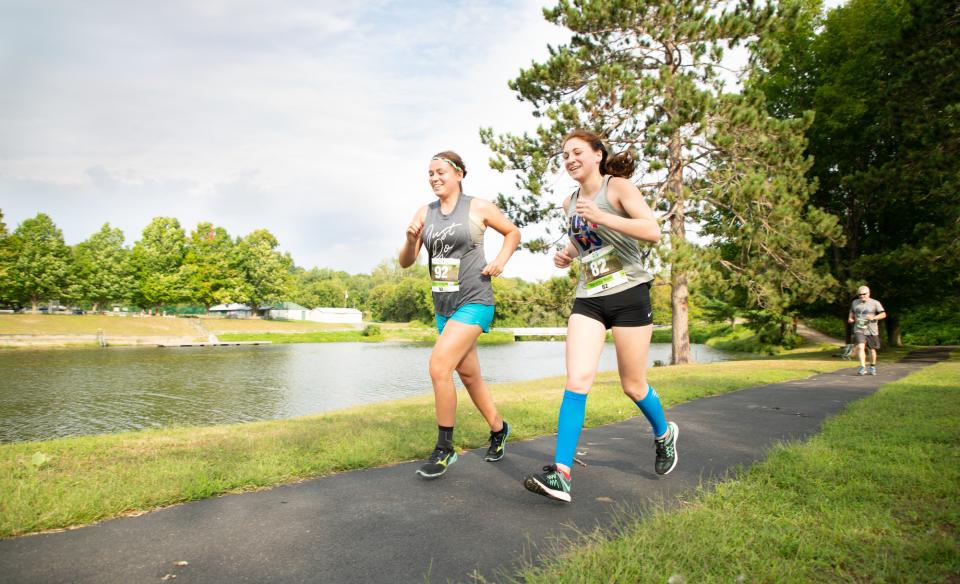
x=622, y=164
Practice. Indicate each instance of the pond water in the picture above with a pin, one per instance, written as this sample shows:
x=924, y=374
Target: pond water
x=56, y=393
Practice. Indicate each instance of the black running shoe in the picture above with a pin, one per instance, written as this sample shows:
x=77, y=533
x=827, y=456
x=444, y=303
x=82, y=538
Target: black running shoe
x=667, y=450
x=438, y=463
x=497, y=442
x=550, y=483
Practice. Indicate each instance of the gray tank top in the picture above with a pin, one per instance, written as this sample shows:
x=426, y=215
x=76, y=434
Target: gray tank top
x=590, y=238
x=455, y=250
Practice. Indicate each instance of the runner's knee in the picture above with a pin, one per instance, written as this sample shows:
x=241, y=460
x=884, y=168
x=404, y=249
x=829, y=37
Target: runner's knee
x=635, y=390
x=440, y=368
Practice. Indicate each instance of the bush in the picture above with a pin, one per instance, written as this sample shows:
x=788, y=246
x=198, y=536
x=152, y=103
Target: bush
x=828, y=325
x=932, y=325
x=371, y=330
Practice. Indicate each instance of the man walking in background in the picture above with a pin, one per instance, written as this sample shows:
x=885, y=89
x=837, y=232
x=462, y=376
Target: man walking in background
x=864, y=314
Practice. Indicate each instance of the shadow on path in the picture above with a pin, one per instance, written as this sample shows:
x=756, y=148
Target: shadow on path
x=387, y=525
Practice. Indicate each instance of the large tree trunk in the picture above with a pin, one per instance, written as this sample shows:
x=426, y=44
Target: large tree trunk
x=893, y=330
x=679, y=297
x=679, y=300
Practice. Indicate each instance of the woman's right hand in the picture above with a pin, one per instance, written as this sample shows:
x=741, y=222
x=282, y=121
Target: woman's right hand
x=413, y=230
x=561, y=259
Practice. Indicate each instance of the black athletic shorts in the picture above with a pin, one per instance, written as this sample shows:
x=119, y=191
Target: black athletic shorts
x=872, y=341
x=628, y=308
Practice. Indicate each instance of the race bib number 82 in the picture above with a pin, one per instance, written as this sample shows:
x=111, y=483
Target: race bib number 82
x=602, y=270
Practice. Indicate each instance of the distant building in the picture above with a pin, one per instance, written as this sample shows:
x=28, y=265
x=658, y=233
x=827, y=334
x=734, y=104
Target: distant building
x=232, y=310
x=337, y=315
x=285, y=311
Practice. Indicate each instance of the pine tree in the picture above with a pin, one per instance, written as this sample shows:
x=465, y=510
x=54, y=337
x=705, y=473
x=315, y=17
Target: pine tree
x=647, y=75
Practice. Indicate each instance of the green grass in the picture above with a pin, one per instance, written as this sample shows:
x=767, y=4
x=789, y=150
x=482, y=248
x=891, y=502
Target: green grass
x=62, y=324
x=874, y=498
x=72, y=481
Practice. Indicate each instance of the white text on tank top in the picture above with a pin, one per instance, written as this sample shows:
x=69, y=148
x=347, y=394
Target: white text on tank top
x=444, y=271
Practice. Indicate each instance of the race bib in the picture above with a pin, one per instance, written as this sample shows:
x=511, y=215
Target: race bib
x=602, y=270
x=860, y=322
x=445, y=274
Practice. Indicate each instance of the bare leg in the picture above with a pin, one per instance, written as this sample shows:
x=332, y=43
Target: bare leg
x=860, y=353
x=453, y=344
x=633, y=347
x=469, y=371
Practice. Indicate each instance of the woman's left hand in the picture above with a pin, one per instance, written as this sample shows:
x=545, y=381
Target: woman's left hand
x=589, y=210
x=492, y=269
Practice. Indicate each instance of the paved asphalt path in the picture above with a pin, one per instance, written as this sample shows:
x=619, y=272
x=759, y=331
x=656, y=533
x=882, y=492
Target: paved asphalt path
x=388, y=525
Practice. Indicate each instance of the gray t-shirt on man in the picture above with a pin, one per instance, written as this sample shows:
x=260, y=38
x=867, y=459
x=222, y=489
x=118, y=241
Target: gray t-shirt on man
x=861, y=309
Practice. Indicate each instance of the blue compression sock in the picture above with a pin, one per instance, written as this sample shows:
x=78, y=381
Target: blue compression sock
x=572, y=411
x=651, y=408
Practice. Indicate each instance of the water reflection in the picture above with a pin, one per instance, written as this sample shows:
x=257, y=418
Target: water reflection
x=50, y=394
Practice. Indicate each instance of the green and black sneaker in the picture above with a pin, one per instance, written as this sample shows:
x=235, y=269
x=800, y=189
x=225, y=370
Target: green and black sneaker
x=550, y=483
x=439, y=460
x=497, y=442
x=667, y=450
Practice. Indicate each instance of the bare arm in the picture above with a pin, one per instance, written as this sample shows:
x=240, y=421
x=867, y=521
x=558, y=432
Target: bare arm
x=640, y=222
x=494, y=217
x=564, y=257
x=411, y=245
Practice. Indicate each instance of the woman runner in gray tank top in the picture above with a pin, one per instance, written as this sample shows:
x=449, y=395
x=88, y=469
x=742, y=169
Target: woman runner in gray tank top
x=606, y=218
x=451, y=229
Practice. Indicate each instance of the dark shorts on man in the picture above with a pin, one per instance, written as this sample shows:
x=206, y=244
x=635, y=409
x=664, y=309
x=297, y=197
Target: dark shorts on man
x=628, y=308
x=872, y=341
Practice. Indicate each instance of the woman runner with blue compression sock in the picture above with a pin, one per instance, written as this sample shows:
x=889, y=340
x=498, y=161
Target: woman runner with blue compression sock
x=451, y=230
x=606, y=218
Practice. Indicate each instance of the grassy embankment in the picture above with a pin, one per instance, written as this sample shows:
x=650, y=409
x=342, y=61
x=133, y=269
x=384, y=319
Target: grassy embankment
x=71, y=481
x=57, y=331
x=874, y=498
x=86, y=325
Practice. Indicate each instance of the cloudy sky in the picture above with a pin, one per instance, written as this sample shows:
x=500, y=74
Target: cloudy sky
x=313, y=119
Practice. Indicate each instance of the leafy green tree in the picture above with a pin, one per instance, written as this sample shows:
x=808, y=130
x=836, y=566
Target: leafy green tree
x=158, y=261
x=885, y=141
x=212, y=274
x=410, y=299
x=321, y=287
x=525, y=304
x=647, y=75
x=7, y=260
x=267, y=273
x=39, y=271
x=102, y=271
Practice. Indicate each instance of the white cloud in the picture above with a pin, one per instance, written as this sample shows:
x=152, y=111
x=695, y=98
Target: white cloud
x=313, y=121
